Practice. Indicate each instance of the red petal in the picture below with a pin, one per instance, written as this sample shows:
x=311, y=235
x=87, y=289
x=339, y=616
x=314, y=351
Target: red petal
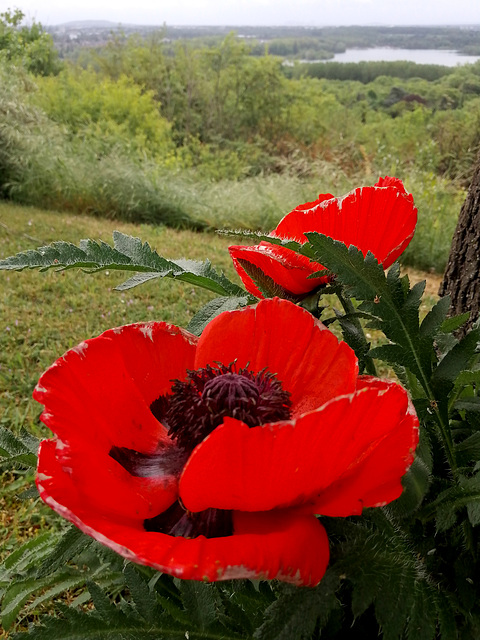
x=100, y=392
x=350, y=453
x=379, y=219
x=288, y=269
x=282, y=545
x=307, y=358
x=85, y=479
x=311, y=205
x=389, y=181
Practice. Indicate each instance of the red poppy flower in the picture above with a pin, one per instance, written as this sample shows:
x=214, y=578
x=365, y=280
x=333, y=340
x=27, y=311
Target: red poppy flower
x=207, y=458
x=380, y=219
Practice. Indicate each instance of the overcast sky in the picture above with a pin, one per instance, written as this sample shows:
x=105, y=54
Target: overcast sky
x=253, y=12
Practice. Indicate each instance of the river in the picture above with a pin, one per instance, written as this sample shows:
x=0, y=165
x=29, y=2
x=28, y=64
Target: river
x=447, y=58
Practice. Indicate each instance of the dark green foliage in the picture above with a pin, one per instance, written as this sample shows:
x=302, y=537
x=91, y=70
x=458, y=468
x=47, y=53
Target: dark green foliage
x=47, y=566
x=366, y=72
x=295, y=613
x=18, y=450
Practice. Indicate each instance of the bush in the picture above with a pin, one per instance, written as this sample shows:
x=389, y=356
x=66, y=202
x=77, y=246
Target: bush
x=28, y=46
x=43, y=165
x=106, y=112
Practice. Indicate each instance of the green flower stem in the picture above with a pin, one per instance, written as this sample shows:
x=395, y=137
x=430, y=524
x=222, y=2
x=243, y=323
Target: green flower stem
x=349, y=309
x=445, y=432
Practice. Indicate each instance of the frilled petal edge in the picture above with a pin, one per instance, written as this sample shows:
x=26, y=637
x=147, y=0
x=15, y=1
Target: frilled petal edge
x=263, y=546
x=100, y=391
x=350, y=453
x=380, y=219
x=275, y=334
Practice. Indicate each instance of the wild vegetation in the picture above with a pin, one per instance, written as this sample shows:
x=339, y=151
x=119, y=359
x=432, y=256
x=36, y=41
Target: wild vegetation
x=212, y=136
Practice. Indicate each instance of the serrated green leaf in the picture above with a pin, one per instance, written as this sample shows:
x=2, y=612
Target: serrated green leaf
x=174, y=611
x=212, y=309
x=128, y=254
x=446, y=617
x=144, y=599
x=28, y=494
x=454, y=362
x=473, y=511
x=434, y=319
x=423, y=618
x=450, y=501
x=264, y=283
x=294, y=615
x=291, y=617
x=21, y=591
x=445, y=518
x=468, y=404
x=355, y=338
x=86, y=625
x=136, y=280
x=72, y=542
x=66, y=255
x=29, y=441
x=387, y=298
x=14, y=451
x=200, y=601
x=103, y=605
x=416, y=483
x=253, y=598
x=469, y=449
x=454, y=323
x=392, y=354
x=28, y=554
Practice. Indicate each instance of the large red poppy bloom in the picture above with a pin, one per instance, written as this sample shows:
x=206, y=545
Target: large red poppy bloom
x=380, y=219
x=207, y=458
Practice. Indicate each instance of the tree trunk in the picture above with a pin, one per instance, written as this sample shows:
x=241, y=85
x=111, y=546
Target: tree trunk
x=462, y=275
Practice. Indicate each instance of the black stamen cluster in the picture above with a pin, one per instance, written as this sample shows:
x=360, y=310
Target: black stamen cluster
x=197, y=405
x=176, y=521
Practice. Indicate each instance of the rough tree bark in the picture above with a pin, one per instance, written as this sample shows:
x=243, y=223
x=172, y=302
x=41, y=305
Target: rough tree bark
x=462, y=275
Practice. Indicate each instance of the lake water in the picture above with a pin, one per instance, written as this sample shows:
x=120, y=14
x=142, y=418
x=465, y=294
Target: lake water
x=420, y=56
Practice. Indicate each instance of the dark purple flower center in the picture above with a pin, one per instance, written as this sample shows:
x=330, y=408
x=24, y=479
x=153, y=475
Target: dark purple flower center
x=199, y=404
x=177, y=521
x=193, y=409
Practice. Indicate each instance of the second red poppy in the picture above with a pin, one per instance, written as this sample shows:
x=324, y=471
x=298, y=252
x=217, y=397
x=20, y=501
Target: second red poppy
x=380, y=219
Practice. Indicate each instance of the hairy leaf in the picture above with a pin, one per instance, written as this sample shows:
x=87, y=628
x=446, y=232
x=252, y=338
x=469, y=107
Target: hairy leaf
x=72, y=542
x=455, y=361
x=128, y=254
x=434, y=319
x=17, y=450
x=416, y=483
x=294, y=615
x=212, y=309
x=144, y=599
x=21, y=591
x=201, y=603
